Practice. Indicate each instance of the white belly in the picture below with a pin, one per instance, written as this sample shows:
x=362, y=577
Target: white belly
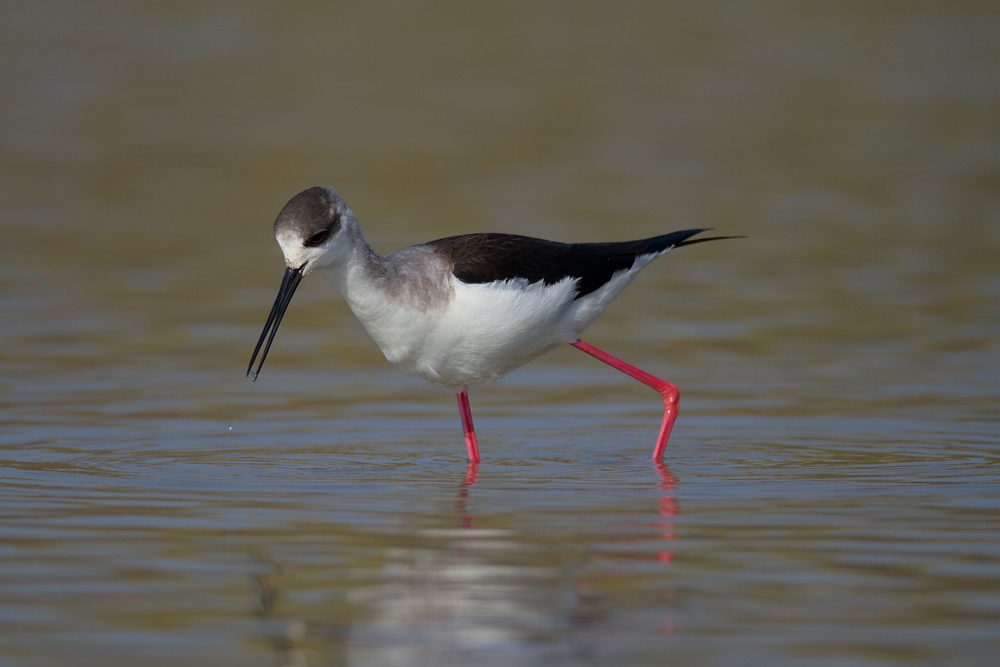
x=481, y=334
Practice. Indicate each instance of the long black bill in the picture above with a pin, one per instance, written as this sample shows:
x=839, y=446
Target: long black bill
x=285, y=292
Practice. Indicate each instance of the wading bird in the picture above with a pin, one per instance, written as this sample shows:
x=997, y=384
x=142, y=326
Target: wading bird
x=465, y=309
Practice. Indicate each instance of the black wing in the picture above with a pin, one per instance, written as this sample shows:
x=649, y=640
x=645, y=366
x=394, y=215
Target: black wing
x=486, y=258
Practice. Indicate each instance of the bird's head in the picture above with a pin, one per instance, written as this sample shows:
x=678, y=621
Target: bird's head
x=313, y=229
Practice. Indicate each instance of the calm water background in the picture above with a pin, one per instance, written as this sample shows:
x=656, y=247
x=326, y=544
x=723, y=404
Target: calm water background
x=830, y=494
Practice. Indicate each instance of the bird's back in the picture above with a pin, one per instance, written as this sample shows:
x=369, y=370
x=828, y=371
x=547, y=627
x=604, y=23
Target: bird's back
x=486, y=258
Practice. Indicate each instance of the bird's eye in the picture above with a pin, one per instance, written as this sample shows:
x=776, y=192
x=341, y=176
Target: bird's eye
x=316, y=238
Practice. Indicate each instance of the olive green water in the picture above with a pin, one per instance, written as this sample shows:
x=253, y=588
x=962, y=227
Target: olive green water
x=830, y=493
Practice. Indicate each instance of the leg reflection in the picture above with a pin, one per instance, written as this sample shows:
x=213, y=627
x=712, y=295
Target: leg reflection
x=471, y=474
x=667, y=508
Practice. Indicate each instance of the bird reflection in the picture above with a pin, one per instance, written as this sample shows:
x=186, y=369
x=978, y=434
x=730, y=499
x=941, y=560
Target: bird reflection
x=448, y=591
x=667, y=506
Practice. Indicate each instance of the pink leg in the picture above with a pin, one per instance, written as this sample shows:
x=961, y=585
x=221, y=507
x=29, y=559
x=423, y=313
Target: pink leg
x=470, y=433
x=670, y=394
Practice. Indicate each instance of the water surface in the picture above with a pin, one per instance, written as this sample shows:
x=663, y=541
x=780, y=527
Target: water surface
x=829, y=495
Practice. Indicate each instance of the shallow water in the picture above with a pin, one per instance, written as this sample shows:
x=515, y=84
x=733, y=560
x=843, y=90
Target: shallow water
x=829, y=495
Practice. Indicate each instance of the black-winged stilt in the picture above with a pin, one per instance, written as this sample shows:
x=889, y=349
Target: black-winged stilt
x=465, y=309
